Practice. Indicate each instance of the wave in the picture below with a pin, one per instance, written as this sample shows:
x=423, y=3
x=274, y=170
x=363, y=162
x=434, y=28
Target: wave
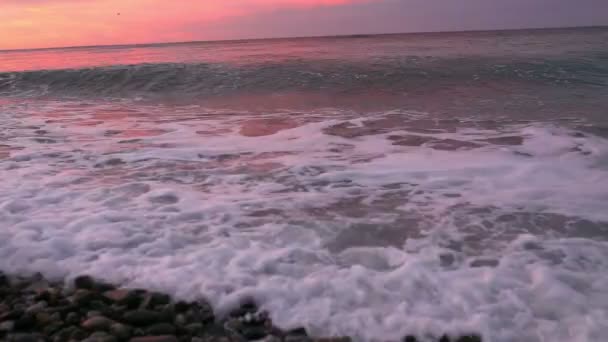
x=390, y=74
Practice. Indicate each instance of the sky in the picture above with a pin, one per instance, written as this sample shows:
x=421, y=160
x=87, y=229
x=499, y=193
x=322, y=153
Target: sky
x=55, y=23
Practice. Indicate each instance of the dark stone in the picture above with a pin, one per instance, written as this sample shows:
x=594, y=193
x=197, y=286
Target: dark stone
x=444, y=338
x=26, y=338
x=244, y=309
x=469, y=338
x=78, y=334
x=253, y=332
x=181, y=306
x=7, y=326
x=142, y=317
x=43, y=318
x=97, y=323
x=52, y=328
x=410, y=338
x=298, y=332
x=101, y=336
x=11, y=315
x=84, y=282
x=83, y=298
x=121, y=331
x=334, y=339
x=26, y=322
x=195, y=328
x=72, y=318
x=153, y=299
x=168, y=338
x=160, y=329
x=131, y=298
x=63, y=335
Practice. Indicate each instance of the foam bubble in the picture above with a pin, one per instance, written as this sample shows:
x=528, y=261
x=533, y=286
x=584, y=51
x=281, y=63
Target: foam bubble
x=350, y=234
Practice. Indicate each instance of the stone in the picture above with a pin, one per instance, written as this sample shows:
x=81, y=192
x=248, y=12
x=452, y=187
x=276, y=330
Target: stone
x=78, y=334
x=334, y=339
x=52, y=328
x=36, y=308
x=167, y=338
x=469, y=338
x=194, y=328
x=7, y=326
x=72, y=318
x=410, y=338
x=97, y=323
x=25, y=323
x=84, y=282
x=142, y=317
x=130, y=298
x=121, y=331
x=63, y=334
x=93, y=313
x=160, y=329
x=181, y=306
x=26, y=338
x=101, y=336
x=153, y=299
x=297, y=335
x=43, y=318
x=83, y=298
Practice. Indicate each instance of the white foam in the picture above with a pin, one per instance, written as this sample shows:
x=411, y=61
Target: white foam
x=230, y=217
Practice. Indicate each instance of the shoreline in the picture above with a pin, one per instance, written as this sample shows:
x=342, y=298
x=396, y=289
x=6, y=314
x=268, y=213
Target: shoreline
x=33, y=309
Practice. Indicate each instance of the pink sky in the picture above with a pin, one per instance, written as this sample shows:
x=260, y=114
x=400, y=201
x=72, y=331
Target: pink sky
x=47, y=23
x=55, y=23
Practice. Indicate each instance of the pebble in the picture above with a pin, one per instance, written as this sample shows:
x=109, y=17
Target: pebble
x=97, y=323
x=33, y=310
x=168, y=338
x=142, y=317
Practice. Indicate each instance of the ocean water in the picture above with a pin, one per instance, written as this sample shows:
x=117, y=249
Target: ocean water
x=370, y=186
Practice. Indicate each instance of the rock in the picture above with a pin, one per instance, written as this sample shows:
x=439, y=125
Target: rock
x=93, y=313
x=26, y=322
x=194, y=328
x=26, y=338
x=11, y=315
x=130, y=298
x=83, y=298
x=244, y=309
x=153, y=299
x=84, y=282
x=297, y=335
x=142, y=317
x=43, y=318
x=52, y=328
x=180, y=320
x=160, y=329
x=168, y=338
x=333, y=339
x=469, y=338
x=63, y=334
x=7, y=326
x=410, y=338
x=97, y=323
x=181, y=306
x=101, y=336
x=444, y=338
x=36, y=308
x=78, y=334
x=72, y=318
x=121, y=331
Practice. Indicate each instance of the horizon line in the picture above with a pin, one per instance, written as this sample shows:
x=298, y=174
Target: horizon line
x=354, y=35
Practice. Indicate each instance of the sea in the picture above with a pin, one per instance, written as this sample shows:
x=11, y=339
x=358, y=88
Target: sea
x=369, y=186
